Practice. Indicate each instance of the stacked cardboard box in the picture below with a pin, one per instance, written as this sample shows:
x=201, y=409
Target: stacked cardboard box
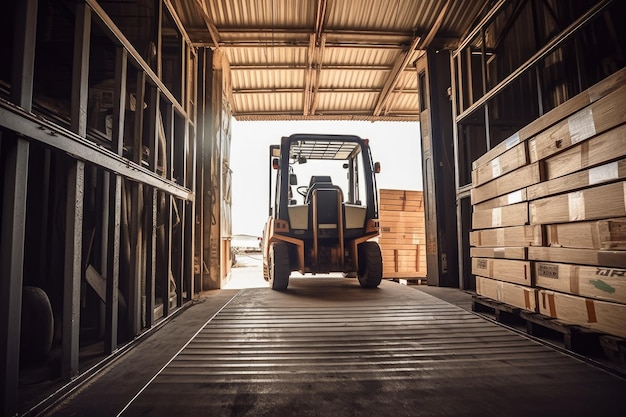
x=402, y=234
x=549, y=213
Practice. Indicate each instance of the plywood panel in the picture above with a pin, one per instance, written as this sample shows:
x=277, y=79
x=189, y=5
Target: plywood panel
x=576, y=103
x=603, y=316
x=601, y=234
x=508, y=236
x=515, y=271
x=594, y=282
x=593, y=203
x=599, y=117
x=505, y=292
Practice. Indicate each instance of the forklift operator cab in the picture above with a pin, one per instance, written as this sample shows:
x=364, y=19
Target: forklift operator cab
x=328, y=224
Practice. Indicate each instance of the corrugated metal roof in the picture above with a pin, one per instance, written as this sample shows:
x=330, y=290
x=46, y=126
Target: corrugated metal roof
x=324, y=59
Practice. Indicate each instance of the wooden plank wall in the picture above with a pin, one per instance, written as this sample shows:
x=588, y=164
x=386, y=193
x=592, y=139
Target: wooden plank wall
x=549, y=213
x=402, y=237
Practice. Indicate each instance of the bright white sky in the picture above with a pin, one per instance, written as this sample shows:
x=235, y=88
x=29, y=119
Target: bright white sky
x=396, y=145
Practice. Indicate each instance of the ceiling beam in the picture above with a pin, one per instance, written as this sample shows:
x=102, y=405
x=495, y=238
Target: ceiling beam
x=315, y=58
x=300, y=67
x=405, y=59
x=394, y=76
x=213, y=32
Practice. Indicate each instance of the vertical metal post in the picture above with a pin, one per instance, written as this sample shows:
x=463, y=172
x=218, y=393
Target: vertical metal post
x=483, y=52
x=151, y=205
x=115, y=190
x=169, y=201
x=135, y=304
x=75, y=196
x=73, y=268
x=198, y=161
x=13, y=222
x=457, y=175
x=12, y=260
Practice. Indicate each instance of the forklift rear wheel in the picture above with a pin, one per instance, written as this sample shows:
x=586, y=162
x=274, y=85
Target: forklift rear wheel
x=279, y=266
x=370, y=265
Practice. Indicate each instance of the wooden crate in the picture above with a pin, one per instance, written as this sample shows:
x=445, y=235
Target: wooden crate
x=608, y=258
x=513, y=215
x=402, y=233
x=598, y=150
x=601, y=234
x=603, y=316
x=510, y=160
x=598, y=117
x=592, y=203
x=608, y=172
x=576, y=103
x=515, y=271
x=603, y=283
x=507, y=236
x=520, y=178
x=503, y=253
x=505, y=292
x=513, y=197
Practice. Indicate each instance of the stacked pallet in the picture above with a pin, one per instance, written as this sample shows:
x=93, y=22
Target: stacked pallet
x=402, y=234
x=549, y=213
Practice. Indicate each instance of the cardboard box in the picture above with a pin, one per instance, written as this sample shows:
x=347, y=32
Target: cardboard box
x=502, y=253
x=401, y=200
x=513, y=197
x=607, y=258
x=513, y=215
x=606, y=147
x=591, y=95
x=515, y=271
x=510, y=160
x=520, y=178
x=404, y=262
x=608, y=172
x=507, y=236
x=598, y=117
x=593, y=203
x=603, y=316
x=402, y=233
x=601, y=234
x=511, y=294
x=603, y=283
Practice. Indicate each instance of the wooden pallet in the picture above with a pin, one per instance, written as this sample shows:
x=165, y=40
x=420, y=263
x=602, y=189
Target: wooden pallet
x=574, y=338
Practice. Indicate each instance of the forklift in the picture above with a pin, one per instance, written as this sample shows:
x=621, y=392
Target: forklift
x=328, y=222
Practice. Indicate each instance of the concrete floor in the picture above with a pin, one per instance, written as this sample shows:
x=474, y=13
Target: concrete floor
x=326, y=347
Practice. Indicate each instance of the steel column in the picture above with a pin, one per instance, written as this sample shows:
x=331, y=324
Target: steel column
x=150, y=205
x=13, y=222
x=11, y=266
x=115, y=199
x=75, y=196
x=73, y=268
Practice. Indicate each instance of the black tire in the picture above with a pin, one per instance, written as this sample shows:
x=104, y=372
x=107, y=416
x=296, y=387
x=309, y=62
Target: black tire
x=37, y=325
x=278, y=265
x=370, y=265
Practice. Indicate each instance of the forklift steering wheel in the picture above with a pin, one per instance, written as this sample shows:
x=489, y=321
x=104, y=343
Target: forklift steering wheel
x=302, y=190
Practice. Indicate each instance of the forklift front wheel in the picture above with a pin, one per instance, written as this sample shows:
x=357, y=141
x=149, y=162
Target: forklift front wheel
x=370, y=265
x=279, y=266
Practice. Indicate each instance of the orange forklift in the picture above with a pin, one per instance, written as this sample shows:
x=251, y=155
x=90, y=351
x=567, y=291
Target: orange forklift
x=327, y=223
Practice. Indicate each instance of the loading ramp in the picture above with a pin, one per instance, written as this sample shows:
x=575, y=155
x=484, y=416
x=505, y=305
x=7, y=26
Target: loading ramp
x=328, y=347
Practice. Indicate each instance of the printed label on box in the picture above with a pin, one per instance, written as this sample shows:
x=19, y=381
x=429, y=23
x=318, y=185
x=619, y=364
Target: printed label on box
x=548, y=271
